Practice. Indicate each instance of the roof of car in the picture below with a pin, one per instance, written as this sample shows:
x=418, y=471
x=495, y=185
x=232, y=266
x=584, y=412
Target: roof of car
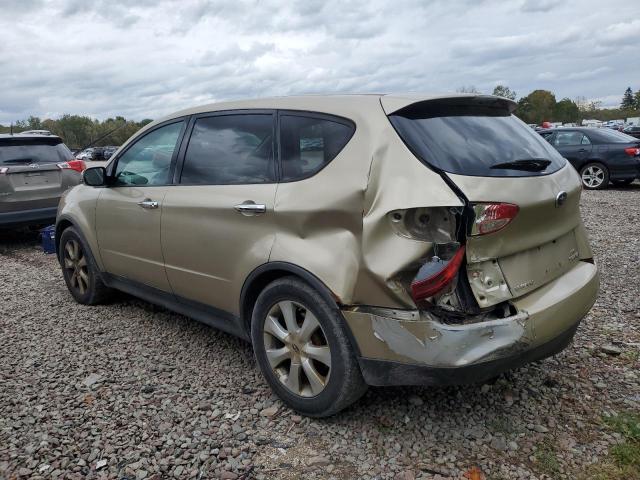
x=39, y=136
x=338, y=104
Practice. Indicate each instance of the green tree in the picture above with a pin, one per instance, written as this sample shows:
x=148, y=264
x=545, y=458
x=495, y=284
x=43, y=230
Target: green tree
x=636, y=98
x=628, y=101
x=566, y=111
x=504, y=91
x=537, y=107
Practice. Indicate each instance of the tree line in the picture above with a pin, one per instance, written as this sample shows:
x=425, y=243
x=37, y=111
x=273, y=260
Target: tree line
x=541, y=106
x=80, y=131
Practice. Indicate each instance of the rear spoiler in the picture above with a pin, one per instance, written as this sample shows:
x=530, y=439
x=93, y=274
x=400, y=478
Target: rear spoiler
x=407, y=104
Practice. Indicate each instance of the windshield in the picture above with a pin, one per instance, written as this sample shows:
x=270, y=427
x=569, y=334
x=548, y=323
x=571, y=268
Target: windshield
x=475, y=140
x=16, y=151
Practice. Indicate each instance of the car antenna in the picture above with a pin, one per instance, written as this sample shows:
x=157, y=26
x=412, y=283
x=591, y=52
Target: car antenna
x=103, y=136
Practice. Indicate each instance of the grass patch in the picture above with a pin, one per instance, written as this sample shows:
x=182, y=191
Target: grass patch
x=623, y=462
x=546, y=459
x=628, y=452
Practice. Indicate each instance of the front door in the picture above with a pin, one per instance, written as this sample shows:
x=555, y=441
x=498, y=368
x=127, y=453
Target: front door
x=217, y=223
x=129, y=210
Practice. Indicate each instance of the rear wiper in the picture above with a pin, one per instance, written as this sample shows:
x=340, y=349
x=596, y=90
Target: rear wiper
x=528, y=164
x=19, y=160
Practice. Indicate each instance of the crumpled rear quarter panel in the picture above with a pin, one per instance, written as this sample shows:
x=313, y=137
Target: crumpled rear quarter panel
x=335, y=223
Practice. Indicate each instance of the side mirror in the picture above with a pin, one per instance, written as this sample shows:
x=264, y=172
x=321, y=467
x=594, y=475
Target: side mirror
x=95, y=177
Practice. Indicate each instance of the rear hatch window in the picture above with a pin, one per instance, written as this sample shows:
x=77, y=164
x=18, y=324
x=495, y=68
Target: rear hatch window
x=18, y=151
x=466, y=138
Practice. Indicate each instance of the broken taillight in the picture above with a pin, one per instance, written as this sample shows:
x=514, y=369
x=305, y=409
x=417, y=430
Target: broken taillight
x=491, y=217
x=436, y=275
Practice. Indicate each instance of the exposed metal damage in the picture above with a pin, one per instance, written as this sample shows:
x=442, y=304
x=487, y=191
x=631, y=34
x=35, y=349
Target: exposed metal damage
x=420, y=336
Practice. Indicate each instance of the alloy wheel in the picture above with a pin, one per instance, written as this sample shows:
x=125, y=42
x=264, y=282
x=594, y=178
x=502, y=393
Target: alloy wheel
x=297, y=348
x=75, y=264
x=593, y=176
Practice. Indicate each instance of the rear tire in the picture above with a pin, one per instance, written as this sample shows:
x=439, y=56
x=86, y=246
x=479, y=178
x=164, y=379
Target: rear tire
x=302, y=348
x=79, y=269
x=594, y=176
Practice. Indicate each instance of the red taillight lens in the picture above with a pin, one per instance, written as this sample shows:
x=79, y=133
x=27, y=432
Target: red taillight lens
x=632, y=151
x=423, y=288
x=77, y=165
x=491, y=217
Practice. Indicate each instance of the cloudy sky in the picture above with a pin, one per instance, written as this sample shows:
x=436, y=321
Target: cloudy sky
x=146, y=58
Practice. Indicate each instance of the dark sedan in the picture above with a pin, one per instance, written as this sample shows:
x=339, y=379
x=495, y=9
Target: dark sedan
x=600, y=155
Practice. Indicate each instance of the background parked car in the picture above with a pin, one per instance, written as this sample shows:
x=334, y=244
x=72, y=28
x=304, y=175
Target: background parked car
x=35, y=170
x=600, y=155
x=632, y=130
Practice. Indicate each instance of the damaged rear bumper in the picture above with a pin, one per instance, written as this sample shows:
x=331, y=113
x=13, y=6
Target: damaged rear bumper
x=416, y=348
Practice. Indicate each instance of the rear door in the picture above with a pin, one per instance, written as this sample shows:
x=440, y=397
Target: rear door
x=217, y=223
x=32, y=174
x=129, y=211
x=573, y=145
x=491, y=158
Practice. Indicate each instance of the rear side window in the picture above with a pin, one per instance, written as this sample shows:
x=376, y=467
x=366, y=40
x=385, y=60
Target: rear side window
x=563, y=139
x=470, y=139
x=309, y=143
x=16, y=150
x=230, y=150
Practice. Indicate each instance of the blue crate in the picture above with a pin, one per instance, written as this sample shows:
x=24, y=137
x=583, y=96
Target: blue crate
x=48, y=235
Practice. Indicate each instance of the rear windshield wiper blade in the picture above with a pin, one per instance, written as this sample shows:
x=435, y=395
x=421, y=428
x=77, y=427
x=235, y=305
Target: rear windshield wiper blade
x=529, y=165
x=19, y=160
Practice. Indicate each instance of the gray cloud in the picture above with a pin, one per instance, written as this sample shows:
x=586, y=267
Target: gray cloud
x=150, y=57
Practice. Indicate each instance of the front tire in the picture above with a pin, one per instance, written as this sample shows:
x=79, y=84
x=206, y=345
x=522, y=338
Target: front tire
x=302, y=348
x=594, y=176
x=79, y=269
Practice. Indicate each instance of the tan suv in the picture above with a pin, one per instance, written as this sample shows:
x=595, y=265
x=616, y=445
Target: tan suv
x=355, y=240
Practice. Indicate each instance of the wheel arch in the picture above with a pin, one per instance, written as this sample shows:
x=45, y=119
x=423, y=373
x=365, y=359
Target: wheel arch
x=61, y=225
x=266, y=273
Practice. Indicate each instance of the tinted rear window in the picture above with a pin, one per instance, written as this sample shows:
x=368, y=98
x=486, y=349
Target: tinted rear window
x=470, y=139
x=606, y=135
x=310, y=143
x=17, y=150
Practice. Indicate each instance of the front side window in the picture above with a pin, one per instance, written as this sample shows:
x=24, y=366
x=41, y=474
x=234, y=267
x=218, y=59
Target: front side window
x=230, y=150
x=309, y=143
x=148, y=160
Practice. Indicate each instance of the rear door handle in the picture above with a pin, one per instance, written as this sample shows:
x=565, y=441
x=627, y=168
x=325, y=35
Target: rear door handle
x=148, y=204
x=250, y=208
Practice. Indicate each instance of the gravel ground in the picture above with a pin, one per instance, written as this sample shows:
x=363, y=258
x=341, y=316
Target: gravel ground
x=128, y=390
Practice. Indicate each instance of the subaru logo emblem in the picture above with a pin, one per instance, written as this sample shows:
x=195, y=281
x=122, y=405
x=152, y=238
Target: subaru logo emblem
x=561, y=198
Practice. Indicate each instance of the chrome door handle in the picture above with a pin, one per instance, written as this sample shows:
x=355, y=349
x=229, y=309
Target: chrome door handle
x=148, y=203
x=250, y=208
